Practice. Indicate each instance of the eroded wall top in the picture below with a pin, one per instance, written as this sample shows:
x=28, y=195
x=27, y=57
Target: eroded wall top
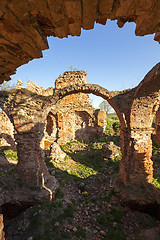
x=25, y=25
x=70, y=78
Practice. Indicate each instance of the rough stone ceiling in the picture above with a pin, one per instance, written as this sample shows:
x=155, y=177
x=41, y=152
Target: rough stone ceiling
x=25, y=25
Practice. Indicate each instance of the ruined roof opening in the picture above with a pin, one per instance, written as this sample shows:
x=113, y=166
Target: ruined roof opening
x=26, y=26
x=113, y=58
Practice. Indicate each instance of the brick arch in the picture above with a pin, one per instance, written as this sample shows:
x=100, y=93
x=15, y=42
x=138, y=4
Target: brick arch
x=148, y=93
x=145, y=102
x=135, y=166
x=135, y=109
x=86, y=88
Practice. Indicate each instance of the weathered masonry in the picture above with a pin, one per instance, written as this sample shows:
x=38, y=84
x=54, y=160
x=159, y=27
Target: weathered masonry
x=135, y=108
x=73, y=117
x=25, y=25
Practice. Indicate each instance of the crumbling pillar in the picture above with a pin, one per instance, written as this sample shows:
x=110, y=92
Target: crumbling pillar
x=31, y=162
x=136, y=147
x=24, y=109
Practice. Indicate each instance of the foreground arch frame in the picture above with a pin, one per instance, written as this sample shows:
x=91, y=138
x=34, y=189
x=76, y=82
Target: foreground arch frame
x=135, y=109
x=25, y=25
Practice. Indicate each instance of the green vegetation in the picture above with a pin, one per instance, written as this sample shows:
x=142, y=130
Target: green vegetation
x=155, y=158
x=113, y=220
x=156, y=180
x=109, y=128
x=154, y=149
x=82, y=160
x=85, y=200
x=54, y=215
x=113, y=125
x=117, y=128
x=8, y=153
x=148, y=223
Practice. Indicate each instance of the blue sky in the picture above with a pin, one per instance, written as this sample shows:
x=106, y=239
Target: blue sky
x=113, y=58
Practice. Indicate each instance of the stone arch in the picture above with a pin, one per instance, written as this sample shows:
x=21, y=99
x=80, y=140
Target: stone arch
x=135, y=109
x=129, y=106
x=87, y=88
x=136, y=165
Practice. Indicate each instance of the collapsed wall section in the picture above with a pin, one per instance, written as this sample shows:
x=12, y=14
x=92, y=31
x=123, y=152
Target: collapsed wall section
x=74, y=115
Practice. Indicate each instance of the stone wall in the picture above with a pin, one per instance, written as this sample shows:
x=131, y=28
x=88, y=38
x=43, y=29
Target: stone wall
x=135, y=108
x=73, y=117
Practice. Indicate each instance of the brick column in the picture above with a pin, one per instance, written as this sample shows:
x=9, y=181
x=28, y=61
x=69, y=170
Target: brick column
x=31, y=162
x=136, y=147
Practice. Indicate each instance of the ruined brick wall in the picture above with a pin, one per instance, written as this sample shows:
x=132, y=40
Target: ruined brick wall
x=135, y=108
x=33, y=87
x=72, y=78
x=74, y=115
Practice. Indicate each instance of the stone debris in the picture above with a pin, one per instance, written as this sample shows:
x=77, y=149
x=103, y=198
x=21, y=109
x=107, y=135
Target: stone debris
x=56, y=153
x=150, y=234
x=110, y=150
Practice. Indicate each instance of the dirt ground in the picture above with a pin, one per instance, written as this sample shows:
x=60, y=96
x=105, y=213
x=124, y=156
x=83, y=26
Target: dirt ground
x=85, y=206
